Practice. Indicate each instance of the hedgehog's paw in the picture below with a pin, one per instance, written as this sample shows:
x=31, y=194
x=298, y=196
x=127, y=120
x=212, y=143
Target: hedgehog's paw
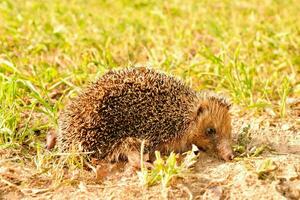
x=106, y=169
x=136, y=162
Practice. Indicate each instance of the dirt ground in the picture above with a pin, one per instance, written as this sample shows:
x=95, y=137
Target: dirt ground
x=210, y=179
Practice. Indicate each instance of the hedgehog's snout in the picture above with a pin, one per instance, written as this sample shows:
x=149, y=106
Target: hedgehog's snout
x=228, y=156
x=225, y=151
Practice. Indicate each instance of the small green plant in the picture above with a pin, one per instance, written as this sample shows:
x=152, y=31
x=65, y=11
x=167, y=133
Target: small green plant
x=165, y=169
x=266, y=169
x=243, y=140
x=243, y=147
x=284, y=92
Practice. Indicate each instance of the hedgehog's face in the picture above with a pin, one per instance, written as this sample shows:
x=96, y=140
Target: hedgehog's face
x=213, y=128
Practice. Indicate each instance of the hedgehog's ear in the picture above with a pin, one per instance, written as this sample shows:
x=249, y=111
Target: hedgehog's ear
x=200, y=110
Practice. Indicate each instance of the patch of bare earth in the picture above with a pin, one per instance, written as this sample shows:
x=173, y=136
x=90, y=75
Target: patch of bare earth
x=210, y=179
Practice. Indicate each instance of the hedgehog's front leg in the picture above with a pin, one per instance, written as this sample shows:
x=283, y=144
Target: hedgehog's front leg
x=131, y=148
x=135, y=160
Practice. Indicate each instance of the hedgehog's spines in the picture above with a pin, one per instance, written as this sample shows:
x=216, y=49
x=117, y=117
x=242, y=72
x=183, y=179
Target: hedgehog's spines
x=131, y=105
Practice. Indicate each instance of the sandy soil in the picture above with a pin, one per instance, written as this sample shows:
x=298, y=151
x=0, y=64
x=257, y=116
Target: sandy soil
x=210, y=179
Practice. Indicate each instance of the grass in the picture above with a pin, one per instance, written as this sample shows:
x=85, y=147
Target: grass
x=244, y=148
x=50, y=49
x=165, y=169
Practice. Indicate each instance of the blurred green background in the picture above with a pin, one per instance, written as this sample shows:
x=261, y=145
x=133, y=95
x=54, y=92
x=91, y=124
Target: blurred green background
x=49, y=49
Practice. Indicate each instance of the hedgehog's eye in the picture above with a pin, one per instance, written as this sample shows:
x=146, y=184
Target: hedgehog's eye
x=210, y=131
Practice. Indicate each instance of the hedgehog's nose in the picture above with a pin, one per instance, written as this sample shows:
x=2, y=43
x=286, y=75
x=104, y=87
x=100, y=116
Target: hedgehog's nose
x=229, y=156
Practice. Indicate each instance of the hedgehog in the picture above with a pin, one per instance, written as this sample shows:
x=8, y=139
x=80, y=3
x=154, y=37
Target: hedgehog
x=130, y=107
